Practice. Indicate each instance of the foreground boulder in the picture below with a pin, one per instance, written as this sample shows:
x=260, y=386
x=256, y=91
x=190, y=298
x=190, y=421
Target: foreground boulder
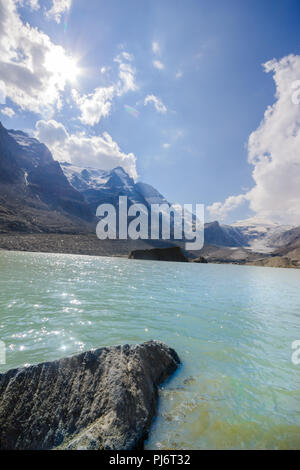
x=159, y=254
x=101, y=399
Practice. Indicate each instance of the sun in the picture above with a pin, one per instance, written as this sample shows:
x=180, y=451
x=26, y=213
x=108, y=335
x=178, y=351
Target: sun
x=63, y=66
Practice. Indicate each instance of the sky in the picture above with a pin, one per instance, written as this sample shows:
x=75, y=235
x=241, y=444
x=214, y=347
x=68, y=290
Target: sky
x=200, y=99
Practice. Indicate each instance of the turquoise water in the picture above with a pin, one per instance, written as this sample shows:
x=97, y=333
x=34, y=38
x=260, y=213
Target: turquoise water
x=232, y=326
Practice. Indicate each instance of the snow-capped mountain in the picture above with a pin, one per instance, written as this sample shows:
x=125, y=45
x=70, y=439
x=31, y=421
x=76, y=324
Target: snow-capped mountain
x=39, y=194
x=99, y=186
x=261, y=235
x=150, y=194
x=35, y=195
x=224, y=235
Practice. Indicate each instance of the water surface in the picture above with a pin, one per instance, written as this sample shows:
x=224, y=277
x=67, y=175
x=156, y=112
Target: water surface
x=232, y=326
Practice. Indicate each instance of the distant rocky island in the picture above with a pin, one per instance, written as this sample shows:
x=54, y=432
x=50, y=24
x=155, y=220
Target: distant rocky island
x=47, y=206
x=103, y=399
x=174, y=254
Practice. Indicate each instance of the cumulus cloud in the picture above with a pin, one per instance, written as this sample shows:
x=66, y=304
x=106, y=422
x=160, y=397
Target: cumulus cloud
x=33, y=68
x=84, y=150
x=95, y=105
x=220, y=210
x=8, y=112
x=158, y=65
x=158, y=104
x=59, y=7
x=51, y=132
x=273, y=150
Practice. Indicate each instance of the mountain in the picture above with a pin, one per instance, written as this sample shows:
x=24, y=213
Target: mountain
x=224, y=235
x=261, y=235
x=287, y=238
x=40, y=195
x=287, y=255
x=35, y=195
x=105, y=187
x=102, y=187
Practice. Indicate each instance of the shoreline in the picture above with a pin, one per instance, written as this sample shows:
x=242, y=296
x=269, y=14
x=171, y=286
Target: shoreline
x=89, y=245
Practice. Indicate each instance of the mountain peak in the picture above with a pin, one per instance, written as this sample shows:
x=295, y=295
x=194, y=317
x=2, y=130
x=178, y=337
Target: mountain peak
x=120, y=169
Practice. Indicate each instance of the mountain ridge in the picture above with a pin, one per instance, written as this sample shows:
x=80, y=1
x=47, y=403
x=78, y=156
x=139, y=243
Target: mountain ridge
x=35, y=195
x=41, y=195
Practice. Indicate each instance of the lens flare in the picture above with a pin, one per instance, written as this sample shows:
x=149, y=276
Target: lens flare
x=133, y=112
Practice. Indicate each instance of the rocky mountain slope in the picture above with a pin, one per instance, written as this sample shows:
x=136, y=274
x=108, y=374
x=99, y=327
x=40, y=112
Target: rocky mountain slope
x=224, y=235
x=38, y=195
x=287, y=255
x=35, y=195
x=261, y=235
x=105, y=187
x=100, y=187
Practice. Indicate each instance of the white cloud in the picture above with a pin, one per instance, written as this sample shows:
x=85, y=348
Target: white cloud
x=51, y=133
x=95, y=105
x=220, y=210
x=158, y=65
x=126, y=74
x=33, y=4
x=155, y=47
x=84, y=150
x=273, y=150
x=166, y=146
x=127, y=56
x=158, y=104
x=8, y=112
x=34, y=69
x=179, y=74
x=59, y=7
x=127, y=77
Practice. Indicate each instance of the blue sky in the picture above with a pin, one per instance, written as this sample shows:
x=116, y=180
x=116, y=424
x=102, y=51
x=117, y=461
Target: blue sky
x=200, y=65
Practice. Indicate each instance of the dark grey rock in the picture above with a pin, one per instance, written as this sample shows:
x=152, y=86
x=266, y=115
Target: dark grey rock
x=200, y=260
x=102, y=399
x=159, y=254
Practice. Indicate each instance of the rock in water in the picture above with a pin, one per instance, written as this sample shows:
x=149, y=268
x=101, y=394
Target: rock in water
x=101, y=399
x=159, y=254
x=200, y=260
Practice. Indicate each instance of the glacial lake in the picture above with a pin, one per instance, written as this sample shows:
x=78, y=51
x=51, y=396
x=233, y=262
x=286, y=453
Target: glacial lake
x=232, y=326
